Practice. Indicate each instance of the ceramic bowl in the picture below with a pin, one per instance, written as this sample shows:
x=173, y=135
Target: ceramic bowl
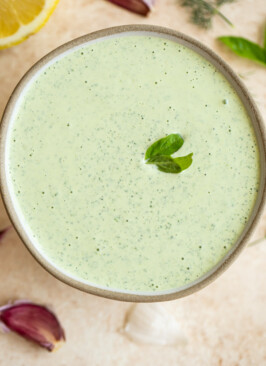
x=250, y=108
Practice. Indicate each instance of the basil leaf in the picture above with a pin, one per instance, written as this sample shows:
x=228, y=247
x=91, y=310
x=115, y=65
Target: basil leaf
x=184, y=161
x=165, y=146
x=264, y=42
x=245, y=48
x=165, y=164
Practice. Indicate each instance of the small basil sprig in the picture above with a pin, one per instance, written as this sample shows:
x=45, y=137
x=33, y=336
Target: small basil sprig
x=245, y=48
x=165, y=146
x=159, y=154
x=184, y=161
x=165, y=164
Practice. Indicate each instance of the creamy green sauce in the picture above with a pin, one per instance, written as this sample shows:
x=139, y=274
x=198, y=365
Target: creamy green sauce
x=78, y=177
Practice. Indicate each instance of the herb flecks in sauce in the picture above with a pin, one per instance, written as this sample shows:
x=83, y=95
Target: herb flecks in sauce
x=168, y=217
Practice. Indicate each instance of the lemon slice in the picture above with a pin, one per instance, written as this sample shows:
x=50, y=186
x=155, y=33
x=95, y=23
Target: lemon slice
x=21, y=18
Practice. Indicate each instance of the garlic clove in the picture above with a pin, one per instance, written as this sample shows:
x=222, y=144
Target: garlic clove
x=152, y=324
x=142, y=7
x=33, y=322
x=4, y=231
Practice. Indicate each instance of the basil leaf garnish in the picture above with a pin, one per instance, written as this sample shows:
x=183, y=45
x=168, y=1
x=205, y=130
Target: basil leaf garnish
x=165, y=164
x=245, y=48
x=184, y=161
x=165, y=146
x=159, y=154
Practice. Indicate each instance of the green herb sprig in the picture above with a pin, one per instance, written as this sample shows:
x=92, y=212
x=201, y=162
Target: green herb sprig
x=203, y=11
x=245, y=48
x=159, y=154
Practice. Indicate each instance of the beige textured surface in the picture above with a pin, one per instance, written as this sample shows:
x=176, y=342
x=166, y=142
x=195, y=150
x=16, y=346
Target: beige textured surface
x=225, y=322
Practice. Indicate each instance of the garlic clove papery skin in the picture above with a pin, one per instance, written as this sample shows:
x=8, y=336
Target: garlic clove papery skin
x=142, y=7
x=153, y=324
x=3, y=232
x=33, y=322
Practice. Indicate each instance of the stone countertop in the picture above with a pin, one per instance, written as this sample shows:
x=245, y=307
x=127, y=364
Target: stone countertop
x=225, y=322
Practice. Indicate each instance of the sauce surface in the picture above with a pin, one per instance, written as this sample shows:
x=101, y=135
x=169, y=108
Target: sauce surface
x=77, y=172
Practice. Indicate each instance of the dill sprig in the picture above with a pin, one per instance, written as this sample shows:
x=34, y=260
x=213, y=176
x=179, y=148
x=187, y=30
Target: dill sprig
x=203, y=11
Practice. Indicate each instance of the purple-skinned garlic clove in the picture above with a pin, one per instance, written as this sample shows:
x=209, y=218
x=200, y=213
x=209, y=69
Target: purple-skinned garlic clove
x=3, y=232
x=142, y=7
x=33, y=322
